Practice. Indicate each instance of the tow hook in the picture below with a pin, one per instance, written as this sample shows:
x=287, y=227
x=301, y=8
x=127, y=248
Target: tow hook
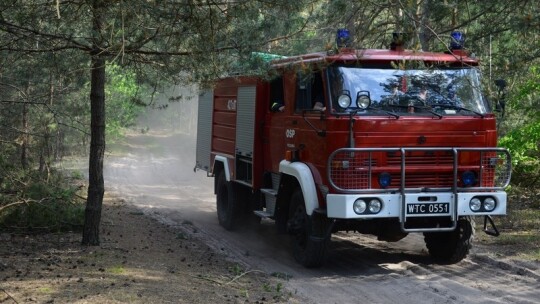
x=493, y=231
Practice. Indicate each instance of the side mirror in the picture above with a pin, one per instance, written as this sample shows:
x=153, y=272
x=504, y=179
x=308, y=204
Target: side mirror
x=501, y=84
x=501, y=92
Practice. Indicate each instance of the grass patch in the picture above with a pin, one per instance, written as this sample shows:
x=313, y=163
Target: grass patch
x=182, y=236
x=520, y=228
x=45, y=290
x=516, y=238
x=522, y=219
x=236, y=269
x=281, y=275
x=116, y=270
x=523, y=214
x=514, y=244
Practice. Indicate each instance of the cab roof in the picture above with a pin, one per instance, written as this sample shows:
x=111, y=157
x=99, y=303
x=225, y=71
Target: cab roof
x=458, y=57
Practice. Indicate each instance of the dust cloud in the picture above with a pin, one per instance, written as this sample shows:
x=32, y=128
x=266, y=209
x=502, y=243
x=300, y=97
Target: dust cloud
x=153, y=166
x=153, y=170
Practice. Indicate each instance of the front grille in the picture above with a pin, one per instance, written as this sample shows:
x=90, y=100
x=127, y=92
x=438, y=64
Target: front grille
x=358, y=169
x=424, y=180
x=429, y=158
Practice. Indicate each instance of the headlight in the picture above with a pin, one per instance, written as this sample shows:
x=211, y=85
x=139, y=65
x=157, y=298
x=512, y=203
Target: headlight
x=475, y=204
x=489, y=204
x=359, y=206
x=344, y=101
x=363, y=102
x=375, y=206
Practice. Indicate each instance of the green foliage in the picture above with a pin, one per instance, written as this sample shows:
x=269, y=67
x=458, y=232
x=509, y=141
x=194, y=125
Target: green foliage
x=39, y=203
x=522, y=129
x=524, y=145
x=53, y=215
x=123, y=100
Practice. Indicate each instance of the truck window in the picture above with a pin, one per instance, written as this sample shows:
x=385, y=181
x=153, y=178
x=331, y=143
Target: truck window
x=440, y=88
x=276, y=94
x=309, y=91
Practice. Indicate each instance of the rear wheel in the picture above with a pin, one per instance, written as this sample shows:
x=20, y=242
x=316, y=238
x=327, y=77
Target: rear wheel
x=227, y=204
x=451, y=247
x=310, y=242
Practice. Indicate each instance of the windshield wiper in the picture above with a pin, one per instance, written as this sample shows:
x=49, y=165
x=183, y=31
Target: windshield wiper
x=415, y=107
x=455, y=107
x=387, y=112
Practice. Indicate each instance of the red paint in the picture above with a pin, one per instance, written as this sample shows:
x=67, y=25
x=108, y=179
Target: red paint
x=273, y=130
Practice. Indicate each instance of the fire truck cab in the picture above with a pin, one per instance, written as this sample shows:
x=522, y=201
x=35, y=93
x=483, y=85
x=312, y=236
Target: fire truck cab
x=379, y=141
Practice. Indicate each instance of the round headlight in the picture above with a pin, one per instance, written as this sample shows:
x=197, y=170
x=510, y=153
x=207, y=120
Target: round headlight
x=475, y=204
x=359, y=206
x=385, y=179
x=489, y=204
x=363, y=102
x=468, y=178
x=344, y=101
x=375, y=206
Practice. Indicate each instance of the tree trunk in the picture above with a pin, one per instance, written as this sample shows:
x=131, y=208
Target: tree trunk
x=424, y=32
x=96, y=187
x=24, y=144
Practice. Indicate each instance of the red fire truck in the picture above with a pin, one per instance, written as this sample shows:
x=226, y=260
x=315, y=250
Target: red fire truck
x=378, y=141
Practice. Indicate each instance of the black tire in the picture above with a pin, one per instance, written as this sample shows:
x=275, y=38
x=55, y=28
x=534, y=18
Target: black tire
x=451, y=247
x=227, y=205
x=310, y=242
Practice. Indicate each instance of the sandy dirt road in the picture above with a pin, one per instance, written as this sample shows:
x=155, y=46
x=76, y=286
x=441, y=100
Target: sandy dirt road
x=155, y=173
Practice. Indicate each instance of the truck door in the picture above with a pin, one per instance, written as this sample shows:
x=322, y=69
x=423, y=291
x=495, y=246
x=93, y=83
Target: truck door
x=310, y=119
x=276, y=117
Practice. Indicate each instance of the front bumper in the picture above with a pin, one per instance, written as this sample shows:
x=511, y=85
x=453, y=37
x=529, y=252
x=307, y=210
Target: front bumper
x=394, y=205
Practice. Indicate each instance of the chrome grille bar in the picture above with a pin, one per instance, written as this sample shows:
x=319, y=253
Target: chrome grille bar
x=351, y=170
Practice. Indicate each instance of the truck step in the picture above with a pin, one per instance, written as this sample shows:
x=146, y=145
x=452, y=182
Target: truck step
x=263, y=214
x=244, y=182
x=269, y=191
x=270, y=196
x=244, y=160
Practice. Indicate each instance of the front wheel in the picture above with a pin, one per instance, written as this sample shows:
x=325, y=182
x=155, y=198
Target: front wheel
x=310, y=242
x=451, y=247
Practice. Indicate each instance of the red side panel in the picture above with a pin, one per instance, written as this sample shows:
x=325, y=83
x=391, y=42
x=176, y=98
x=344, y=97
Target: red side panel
x=224, y=124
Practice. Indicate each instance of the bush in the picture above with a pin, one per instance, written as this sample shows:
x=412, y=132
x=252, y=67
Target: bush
x=524, y=146
x=46, y=205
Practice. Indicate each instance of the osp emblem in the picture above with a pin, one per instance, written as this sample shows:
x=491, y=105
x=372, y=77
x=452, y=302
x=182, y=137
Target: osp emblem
x=289, y=133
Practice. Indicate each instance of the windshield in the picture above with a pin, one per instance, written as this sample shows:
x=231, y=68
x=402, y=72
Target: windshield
x=446, y=91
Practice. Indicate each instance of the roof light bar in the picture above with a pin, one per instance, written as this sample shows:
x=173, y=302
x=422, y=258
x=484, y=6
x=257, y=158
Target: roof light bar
x=457, y=40
x=343, y=38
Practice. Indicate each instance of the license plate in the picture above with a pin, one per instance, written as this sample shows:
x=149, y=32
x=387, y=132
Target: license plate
x=428, y=208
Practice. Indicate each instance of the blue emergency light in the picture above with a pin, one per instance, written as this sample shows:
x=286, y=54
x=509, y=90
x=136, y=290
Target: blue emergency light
x=343, y=38
x=468, y=178
x=457, y=40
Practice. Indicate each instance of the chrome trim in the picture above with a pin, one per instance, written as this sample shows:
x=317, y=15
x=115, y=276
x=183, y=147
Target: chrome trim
x=403, y=191
x=455, y=153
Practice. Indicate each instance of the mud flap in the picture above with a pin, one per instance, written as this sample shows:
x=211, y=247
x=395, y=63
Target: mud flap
x=326, y=232
x=493, y=231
